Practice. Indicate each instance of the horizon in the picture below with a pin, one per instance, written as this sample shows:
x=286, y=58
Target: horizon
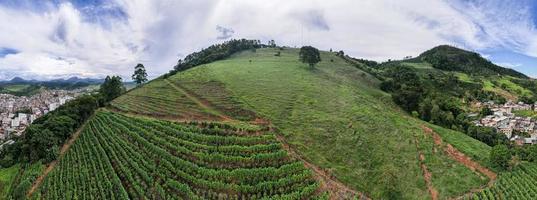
x=93, y=39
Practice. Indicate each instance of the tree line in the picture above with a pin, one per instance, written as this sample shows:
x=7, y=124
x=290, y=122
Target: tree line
x=215, y=52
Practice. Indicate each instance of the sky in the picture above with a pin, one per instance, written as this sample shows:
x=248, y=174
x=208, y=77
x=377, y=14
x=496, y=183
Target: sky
x=93, y=38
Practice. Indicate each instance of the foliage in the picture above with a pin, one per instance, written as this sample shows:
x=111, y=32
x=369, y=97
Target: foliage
x=449, y=58
x=500, y=156
x=487, y=135
x=20, y=191
x=43, y=137
x=309, y=55
x=111, y=88
x=486, y=111
x=517, y=184
x=7, y=177
x=139, y=76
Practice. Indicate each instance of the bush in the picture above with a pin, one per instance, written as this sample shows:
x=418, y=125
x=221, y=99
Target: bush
x=20, y=191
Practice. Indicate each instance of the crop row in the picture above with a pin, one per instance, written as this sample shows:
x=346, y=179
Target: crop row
x=119, y=157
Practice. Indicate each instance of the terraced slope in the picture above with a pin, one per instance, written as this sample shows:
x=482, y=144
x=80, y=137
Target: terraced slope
x=120, y=157
x=336, y=117
x=519, y=184
x=160, y=99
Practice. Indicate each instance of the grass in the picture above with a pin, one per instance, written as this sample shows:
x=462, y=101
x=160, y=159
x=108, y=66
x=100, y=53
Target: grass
x=447, y=173
x=477, y=150
x=7, y=176
x=337, y=118
x=513, y=87
x=463, y=77
x=420, y=65
x=162, y=100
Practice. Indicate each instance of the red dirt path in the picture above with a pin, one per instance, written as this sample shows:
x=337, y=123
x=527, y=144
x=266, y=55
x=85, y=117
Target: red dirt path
x=460, y=157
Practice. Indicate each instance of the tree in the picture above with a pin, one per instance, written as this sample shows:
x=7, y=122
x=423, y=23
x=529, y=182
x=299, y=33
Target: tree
x=271, y=43
x=500, y=156
x=532, y=153
x=111, y=88
x=140, y=76
x=486, y=111
x=309, y=55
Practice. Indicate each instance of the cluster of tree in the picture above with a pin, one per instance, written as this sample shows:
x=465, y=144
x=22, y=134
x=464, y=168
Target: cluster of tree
x=507, y=157
x=529, y=84
x=309, y=55
x=369, y=63
x=426, y=98
x=453, y=59
x=44, y=137
x=110, y=89
x=483, y=95
x=213, y=53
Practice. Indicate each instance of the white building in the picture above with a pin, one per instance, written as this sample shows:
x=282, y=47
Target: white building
x=52, y=106
x=15, y=123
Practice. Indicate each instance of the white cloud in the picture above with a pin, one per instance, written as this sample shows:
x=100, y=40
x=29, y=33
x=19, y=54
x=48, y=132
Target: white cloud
x=61, y=41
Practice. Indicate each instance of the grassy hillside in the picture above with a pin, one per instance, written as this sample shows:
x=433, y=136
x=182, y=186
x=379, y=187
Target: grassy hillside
x=338, y=119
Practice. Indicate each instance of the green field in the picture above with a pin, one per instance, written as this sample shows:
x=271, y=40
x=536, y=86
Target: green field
x=16, y=87
x=418, y=65
x=337, y=118
x=120, y=157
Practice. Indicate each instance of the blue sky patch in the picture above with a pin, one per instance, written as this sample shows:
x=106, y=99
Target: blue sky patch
x=4, y=51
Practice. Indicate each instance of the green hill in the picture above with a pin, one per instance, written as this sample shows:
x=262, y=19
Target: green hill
x=258, y=125
x=334, y=116
x=473, y=73
x=450, y=58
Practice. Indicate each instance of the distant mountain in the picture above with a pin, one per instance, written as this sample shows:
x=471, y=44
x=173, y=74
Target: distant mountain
x=74, y=79
x=18, y=80
x=450, y=58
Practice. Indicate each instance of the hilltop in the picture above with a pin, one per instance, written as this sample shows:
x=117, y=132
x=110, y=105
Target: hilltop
x=450, y=58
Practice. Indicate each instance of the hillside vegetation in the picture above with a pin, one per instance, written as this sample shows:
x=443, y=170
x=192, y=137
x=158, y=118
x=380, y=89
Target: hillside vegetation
x=335, y=116
x=262, y=125
x=449, y=58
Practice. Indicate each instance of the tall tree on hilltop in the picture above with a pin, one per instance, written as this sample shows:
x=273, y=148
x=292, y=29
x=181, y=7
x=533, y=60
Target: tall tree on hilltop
x=309, y=55
x=111, y=88
x=139, y=76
